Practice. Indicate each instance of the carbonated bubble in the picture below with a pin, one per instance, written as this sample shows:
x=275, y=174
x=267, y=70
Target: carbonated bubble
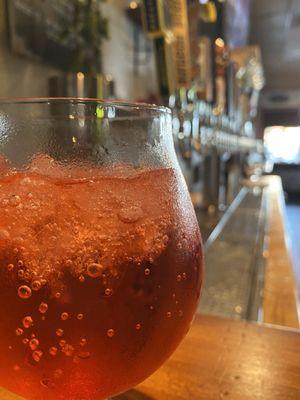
x=24, y=292
x=138, y=327
x=27, y=322
x=131, y=214
x=110, y=333
x=59, y=332
x=64, y=316
x=21, y=273
x=26, y=276
x=83, y=342
x=94, y=270
x=10, y=267
x=147, y=271
x=43, y=308
x=169, y=314
x=53, y=351
x=25, y=341
x=19, y=331
x=81, y=278
x=62, y=343
x=36, y=285
x=108, y=292
x=80, y=316
x=33, y=344
x=37, y=355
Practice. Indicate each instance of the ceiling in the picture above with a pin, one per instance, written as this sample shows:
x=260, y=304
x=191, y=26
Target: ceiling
x=275, y=26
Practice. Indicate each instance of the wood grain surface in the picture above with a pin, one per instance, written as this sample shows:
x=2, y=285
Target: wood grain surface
x=280, y=289
x=280, y=298
x=226, y=359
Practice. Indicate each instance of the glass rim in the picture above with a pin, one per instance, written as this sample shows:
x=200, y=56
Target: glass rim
x=85, y=100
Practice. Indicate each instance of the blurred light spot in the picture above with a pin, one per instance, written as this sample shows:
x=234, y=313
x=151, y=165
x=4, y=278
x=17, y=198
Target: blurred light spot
x=219, y=42
x=133, y=5
x=111, y=112
x=100, y=112
x=283, y=143
x=238, y=309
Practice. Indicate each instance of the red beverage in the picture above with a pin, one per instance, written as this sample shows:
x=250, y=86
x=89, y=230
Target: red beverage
x=100, y=276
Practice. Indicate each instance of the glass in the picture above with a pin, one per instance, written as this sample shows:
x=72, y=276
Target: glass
x=100, y=251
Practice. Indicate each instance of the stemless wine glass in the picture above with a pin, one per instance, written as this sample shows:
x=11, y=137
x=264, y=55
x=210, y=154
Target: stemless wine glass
x=100, y=251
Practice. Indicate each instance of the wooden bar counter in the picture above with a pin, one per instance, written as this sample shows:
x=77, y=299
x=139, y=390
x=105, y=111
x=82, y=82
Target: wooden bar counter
x=227, y=359
x=280, y=289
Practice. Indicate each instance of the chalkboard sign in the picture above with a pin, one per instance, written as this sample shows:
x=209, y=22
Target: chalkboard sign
x=36, y=26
